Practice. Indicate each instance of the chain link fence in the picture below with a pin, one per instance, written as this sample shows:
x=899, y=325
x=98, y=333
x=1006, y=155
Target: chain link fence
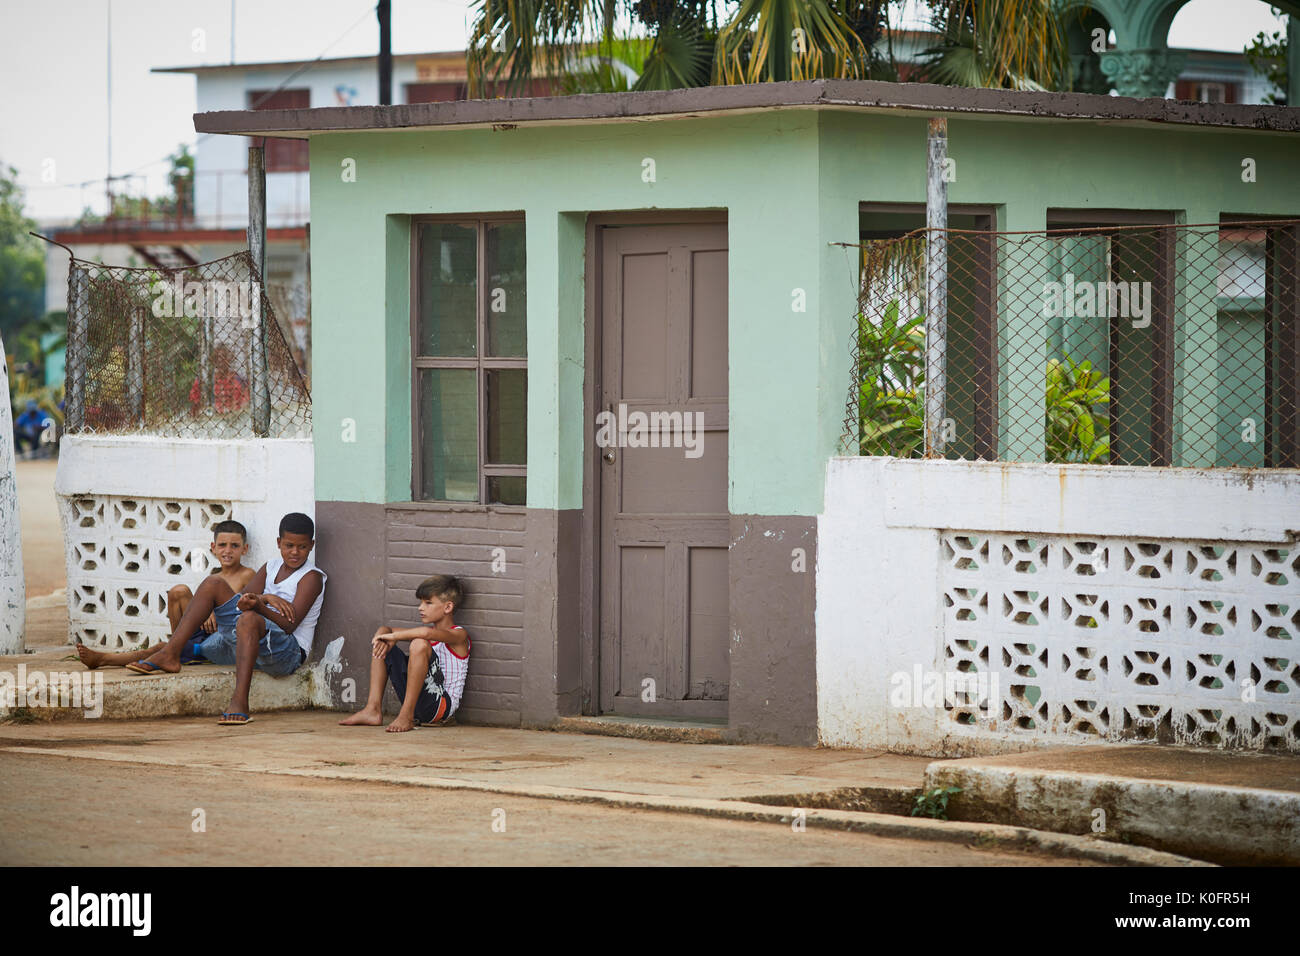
x=190, y=353
x=1123, y=345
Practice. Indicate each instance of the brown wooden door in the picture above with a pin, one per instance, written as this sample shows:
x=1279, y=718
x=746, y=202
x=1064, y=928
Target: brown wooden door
x=663, y=518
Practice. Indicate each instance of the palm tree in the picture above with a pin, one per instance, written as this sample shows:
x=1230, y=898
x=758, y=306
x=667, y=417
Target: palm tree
x=760, y=41
x=978, y=48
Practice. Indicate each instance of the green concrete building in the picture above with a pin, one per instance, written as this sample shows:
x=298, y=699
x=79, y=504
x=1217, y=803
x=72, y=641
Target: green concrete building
x=493, y=281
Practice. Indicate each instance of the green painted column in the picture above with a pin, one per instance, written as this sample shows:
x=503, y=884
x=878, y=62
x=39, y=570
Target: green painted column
x=1143, y=72
x=397, y=336
x=1022, y=335
x=1196, y=337
x=563, y=376
x=1293, y=60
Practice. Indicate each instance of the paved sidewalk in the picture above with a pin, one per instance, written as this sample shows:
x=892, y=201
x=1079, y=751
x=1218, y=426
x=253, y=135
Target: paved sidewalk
x=715, y=780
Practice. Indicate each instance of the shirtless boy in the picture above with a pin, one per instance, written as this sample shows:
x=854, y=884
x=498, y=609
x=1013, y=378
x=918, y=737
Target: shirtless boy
x=229, y=546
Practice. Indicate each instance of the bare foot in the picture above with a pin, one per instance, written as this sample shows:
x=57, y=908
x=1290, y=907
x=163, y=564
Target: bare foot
x=163, y=662
x=91, y=659
x=401, y=725
x=363, y=718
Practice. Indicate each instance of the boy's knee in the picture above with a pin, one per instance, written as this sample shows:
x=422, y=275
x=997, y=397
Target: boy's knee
x=177, y=593
x=421, y=648
x=249, y=625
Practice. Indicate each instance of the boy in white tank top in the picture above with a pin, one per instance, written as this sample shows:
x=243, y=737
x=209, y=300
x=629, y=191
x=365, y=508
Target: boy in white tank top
x=278, y=613
x=430, y=682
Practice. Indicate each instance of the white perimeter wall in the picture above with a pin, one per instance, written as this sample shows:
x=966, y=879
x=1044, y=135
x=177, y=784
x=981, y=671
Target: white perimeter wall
x=1158, y=604
x=134, y=509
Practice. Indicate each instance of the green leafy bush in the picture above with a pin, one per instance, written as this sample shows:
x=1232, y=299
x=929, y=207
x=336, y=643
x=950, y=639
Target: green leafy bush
x=891, y=377
x=1078, y=412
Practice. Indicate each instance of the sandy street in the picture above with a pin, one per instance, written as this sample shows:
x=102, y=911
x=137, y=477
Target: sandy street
x=131, y=815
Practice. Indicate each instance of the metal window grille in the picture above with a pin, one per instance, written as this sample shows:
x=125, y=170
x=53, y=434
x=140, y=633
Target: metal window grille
x=1131, y=345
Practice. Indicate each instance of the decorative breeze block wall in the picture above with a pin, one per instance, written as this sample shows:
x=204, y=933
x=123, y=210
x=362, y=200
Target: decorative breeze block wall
x=1192, y=642
x=124, y=554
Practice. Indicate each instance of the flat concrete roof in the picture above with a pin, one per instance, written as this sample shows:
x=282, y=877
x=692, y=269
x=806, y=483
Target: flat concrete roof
x=857, y=95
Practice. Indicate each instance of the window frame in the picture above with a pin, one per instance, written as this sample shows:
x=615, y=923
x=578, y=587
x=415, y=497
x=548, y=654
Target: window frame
x=479, y=362
x=1161, y=373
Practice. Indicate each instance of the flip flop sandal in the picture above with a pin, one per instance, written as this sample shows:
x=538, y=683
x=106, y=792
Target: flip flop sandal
x=227, y=720
x=146, y=668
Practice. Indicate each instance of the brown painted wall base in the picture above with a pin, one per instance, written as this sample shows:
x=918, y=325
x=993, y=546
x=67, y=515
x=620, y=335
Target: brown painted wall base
x=552, y=676
x=773, y=692
x=485, y=549
x=526, y=614
x=350, y=545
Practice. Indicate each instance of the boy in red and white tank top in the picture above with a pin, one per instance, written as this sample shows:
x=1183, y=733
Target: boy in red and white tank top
x=430, y=682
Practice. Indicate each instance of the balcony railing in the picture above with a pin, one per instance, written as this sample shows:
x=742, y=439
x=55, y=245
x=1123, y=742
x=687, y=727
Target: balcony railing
x=217, y=199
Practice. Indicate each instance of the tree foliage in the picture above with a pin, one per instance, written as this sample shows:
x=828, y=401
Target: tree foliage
x=1267, y=54
x=1001, y=43
x=22, y=261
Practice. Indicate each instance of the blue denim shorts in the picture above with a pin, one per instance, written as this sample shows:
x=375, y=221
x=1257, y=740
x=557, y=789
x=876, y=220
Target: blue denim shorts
x=278, y=653
x=225, y=615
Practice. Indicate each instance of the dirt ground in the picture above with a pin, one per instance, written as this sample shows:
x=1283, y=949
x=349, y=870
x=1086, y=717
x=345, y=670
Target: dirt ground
x=128, y=816
x=38, y=511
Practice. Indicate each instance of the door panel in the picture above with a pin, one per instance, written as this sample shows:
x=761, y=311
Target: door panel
x=663, y=496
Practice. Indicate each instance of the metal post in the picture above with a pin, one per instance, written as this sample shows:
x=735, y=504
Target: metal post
x=936, y=286
x=384, y=13
x=261, y=395
x=74, y=406
x=135, y=366
x=205, y=360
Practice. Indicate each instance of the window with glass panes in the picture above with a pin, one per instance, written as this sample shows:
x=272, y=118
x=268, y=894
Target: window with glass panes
x=471, y=361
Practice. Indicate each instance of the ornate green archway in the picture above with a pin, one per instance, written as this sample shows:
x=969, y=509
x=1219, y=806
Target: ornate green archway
x=1141, y=64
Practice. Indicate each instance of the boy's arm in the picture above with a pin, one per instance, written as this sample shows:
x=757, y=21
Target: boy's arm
x=251, y=589
x=440, y=635
x=287, y=615
x=274, y=608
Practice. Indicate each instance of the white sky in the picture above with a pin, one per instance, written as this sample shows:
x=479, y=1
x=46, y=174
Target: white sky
x=53, y=62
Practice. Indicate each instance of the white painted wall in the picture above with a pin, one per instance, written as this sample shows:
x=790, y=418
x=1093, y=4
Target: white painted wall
x=13, y=589
x=222, y=200
x=887, y=603
x=133, y=509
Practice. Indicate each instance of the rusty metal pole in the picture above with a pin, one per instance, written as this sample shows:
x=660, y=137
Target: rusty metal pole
x=135, y=366
x=936, y=286
x=261, y=395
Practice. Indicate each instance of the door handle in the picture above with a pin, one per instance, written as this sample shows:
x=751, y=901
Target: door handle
x=609, y=456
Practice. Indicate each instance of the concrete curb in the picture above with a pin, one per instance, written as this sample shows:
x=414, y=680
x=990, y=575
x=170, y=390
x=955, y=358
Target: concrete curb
x=981, y=835
x=195, y=692
x=1225, y=824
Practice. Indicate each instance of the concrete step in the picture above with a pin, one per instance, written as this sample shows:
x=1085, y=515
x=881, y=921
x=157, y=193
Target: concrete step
x=668, y=729
x=1225, y=807
x=50, y=683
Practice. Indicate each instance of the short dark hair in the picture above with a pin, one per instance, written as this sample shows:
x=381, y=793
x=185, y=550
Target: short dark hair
x=297, y=523
x=444, y=587
x=229, y=527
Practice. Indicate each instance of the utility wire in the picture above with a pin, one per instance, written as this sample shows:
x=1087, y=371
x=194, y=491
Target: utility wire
x=287, y=80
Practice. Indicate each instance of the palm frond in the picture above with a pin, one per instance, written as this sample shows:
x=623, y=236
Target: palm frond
x=773, y=40
x=679, y=58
